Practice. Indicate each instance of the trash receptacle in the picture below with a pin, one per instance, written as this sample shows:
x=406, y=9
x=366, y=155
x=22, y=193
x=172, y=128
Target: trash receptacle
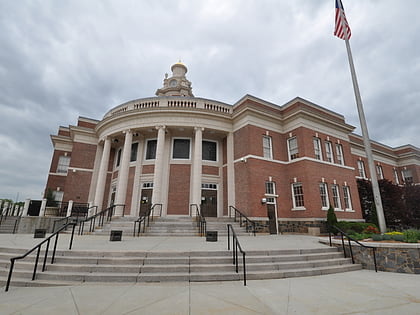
x=40, y=233
x=211, y=236
x=116, y=235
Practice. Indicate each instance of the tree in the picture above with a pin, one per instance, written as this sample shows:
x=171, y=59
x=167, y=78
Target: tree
x=331, y=219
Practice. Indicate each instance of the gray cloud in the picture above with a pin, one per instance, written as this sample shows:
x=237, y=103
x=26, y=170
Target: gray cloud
x=59, y=60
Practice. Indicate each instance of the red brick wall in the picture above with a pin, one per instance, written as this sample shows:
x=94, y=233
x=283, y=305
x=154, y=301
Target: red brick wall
x=55, y=158
x=179, y=187
x=83, y=155
x=77, y=186
x=148, y=169
x=129, y=194
x=210, y=170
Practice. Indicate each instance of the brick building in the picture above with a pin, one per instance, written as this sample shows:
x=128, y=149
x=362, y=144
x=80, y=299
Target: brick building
x=269, y=161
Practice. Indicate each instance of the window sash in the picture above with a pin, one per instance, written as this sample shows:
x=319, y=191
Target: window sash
x=380, y=171
x=317, y=149
x=293, y=148
x=347, y=197
x=323, y=192
x=336, y=196
x=361, y=168
x=134, y=148
x=340, y=156
x=328, y=152
x=181, y=149
x=63, y=164
x=209, y=151
x=298, y=200
x=151, y=149
x=267, y=147
x=270, y=188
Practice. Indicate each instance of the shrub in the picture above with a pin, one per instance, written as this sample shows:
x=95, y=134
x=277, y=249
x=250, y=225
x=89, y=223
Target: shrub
x=331, y=219
x=411, y=236
x=358, y=227
x=398, y=237
x=371, y=230
x=377, y=237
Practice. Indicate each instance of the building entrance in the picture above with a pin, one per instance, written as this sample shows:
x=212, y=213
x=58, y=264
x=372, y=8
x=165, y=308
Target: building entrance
x=145, y=201
x=209, y=202
x=272, y=224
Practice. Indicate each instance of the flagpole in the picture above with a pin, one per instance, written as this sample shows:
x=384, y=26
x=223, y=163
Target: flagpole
x=366, y=140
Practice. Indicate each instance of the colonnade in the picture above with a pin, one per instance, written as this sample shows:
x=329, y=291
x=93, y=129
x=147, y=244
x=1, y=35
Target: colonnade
x=104, y=151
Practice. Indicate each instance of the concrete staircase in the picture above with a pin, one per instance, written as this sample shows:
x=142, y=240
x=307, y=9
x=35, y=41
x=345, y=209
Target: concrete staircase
x=171, y=226
x=75, y=267
x=8, y=224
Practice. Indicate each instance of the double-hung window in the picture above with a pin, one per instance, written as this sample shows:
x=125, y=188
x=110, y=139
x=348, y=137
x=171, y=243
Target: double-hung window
x=336, y=196
x=151, y=149
x=339, y=154
x=317, y=148
x=267, y=147
x=209, y=151
x=328, y=152
x=361, y=168
x=292, y=145
x=297, y=191
x=323, y=192
x=347, y=198
x=380, y=172
x=63, y=164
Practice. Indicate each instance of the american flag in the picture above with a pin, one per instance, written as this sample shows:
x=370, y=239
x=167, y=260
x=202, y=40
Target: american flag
x=341, y=22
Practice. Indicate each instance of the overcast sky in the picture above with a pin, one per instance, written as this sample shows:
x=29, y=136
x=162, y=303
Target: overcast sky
x=64, y=59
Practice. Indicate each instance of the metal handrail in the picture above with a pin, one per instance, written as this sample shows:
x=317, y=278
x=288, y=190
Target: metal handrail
x=146, y=217
x=235, y=247
x=38, y=246
x=106, y=213
x=201, y=220
x=241, y=215
x=349, y=238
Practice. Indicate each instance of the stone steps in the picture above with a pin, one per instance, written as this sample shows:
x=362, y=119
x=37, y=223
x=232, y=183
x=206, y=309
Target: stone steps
x=8, y=224
x=74, y=267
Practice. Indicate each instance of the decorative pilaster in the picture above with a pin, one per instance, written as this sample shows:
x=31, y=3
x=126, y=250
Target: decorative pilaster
x=103, y=169
x=135, y=202
x=230, y=170
x=157, y=180
x=123, y=174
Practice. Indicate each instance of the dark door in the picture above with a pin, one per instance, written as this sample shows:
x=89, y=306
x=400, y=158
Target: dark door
x=209, y=203
x=145, y=201
x=34, y=207
x=271, y=212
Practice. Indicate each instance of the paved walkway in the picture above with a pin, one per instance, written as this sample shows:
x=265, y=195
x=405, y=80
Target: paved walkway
x=357, y=292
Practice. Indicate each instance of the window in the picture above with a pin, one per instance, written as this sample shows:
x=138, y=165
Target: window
x=297, y=191
x=397, y=180
x=339, y=152
x=336, y=196
x=267, y=147
x=134, y=147
x=293, y=148
x=209, y=151
x=361, y=168
x=148, y=185
x=269, y=188
x=151, y=149
x=328, y=152
x=379, y=171
x=63, y=164
x=181, y=149
x=407, y=176
x=118, y=158
x=323, y=192
x=58, y=195
x=209, y=186
x=347, y=198
x=317, y=148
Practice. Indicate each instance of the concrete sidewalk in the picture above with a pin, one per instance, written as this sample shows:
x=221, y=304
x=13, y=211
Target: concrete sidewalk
x=357, y=292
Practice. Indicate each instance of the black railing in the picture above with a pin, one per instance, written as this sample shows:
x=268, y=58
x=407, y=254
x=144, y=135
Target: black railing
x=145, y=218
x=38, y=248
x=201, y=220
x=99, y=218
x=235, y=248
x=342, y=233
x=243, y=219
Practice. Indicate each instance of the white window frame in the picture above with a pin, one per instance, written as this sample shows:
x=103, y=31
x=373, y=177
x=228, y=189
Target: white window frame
x=217, y=150
x=339, y=153
x=323, y=193
x=293, y=151
x=335, y=189
x=397, y=180
x=361, y=169
x=189, y=149
x=297, y=206
x=347, y=198
x=329, y=156
x=63, y=164
x=58, y=195
x=404, y=174
x=267, y=147
x=145, y=149
x=317, y=148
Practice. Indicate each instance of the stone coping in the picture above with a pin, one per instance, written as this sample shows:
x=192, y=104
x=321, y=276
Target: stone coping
x=325, y=240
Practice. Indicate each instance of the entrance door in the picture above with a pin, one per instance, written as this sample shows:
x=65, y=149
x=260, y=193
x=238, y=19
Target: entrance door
x=209, y=202
x=145, y=201
x=271, y=212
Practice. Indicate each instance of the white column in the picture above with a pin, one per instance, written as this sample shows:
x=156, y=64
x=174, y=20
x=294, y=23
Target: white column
x=69, y=208
x=230, y=170
x=197, y=166
x=94, y=179
x=43, y=205
x=103, y=170
x=123, y=173
x=157, y=180
x=135, y=201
